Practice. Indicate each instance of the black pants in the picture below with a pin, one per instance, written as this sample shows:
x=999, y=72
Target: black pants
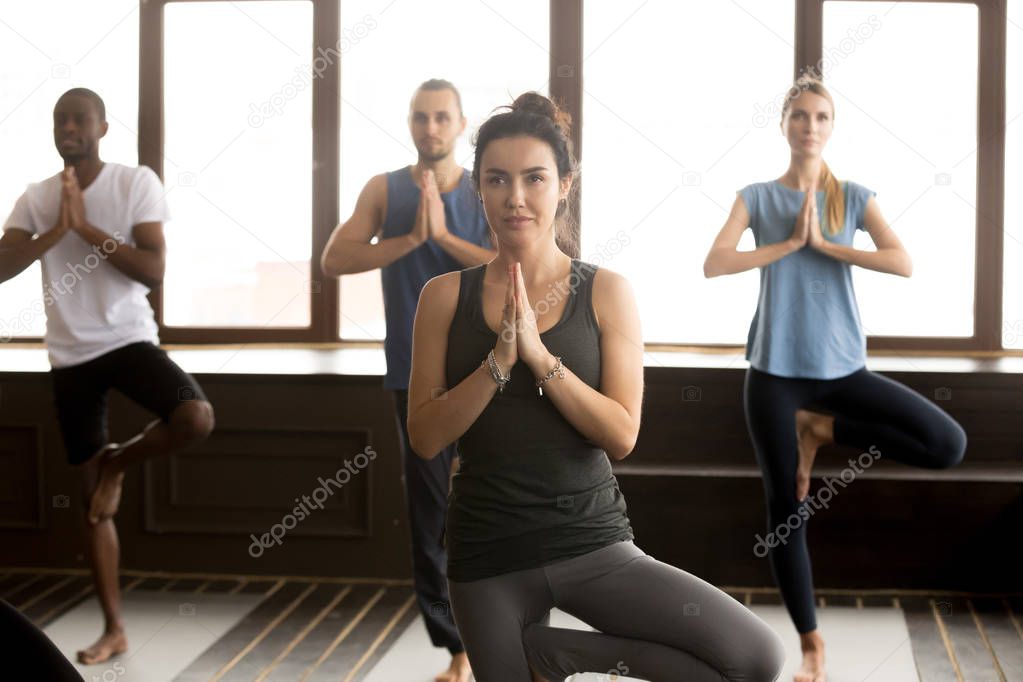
x=141, y=371
x=427, y=483
x=873, y=413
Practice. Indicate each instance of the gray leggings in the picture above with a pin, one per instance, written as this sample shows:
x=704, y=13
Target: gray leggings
x=655, y=622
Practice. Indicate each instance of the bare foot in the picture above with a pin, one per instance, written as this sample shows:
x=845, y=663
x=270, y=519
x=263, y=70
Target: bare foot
x=110, y=644
x=107, y=496
x=812, y=669
x=811, y=432
x=459, y=671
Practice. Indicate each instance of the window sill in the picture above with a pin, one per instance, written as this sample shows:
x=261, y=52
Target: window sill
x=367, y=359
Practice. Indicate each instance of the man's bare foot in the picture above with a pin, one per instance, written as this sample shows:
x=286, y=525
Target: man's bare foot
x=459, y=671
x=107, y=496
x=812, y=669
x=812, y=432
x=110, y=644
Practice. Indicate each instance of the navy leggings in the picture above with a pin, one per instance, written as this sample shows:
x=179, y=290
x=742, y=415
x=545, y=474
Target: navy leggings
x=426, y=496
x=871, y=411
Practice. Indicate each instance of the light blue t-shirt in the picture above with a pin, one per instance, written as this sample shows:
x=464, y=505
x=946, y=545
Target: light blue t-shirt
x=807, y=323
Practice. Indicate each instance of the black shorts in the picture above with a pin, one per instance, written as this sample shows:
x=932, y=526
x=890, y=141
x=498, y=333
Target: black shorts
x=141, y=371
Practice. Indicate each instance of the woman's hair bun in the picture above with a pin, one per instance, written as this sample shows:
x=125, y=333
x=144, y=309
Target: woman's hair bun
x=535, y=103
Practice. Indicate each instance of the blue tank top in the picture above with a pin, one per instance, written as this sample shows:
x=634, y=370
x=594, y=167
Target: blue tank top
x=403, y=279
x=807, y=322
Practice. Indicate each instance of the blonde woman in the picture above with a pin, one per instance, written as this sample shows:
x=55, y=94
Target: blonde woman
x=806, y=345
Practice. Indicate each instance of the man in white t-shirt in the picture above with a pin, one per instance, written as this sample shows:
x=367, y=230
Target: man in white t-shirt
x=97, y=229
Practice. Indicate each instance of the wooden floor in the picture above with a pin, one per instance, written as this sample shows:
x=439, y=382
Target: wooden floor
x=338, y=629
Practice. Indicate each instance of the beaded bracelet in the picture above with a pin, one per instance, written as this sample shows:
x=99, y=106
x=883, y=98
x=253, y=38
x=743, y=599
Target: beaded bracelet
x=557, y=370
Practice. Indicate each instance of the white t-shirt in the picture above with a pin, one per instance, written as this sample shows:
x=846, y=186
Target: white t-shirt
x=92, y=307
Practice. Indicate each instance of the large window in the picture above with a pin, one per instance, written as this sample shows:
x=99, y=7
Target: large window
x=381, y=66
x=906, y=127
x=667, y=147
x=238, y=163
x=93, y=45
x=1012, y=313
x=266, y=119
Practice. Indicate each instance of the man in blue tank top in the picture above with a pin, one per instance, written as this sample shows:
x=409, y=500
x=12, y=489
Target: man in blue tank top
x=428, y=220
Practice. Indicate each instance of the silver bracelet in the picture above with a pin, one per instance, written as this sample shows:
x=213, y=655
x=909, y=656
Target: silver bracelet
x=557, y=370
x=495, y=371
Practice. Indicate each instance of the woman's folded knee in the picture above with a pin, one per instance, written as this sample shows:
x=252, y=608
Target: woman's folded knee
x=955, y=447
x=948, y=446
x=761, y=659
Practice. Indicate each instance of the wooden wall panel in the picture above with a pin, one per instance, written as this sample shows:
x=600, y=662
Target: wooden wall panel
x=245, y=480
x=694, y=492
x=21, y=478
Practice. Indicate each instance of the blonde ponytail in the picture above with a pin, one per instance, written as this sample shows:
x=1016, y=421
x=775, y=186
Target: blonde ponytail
x=834, y=202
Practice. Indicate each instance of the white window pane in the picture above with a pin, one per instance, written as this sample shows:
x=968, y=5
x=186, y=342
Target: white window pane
x=1012, y=301
x=238, y=163
x=93, y=46
x=491, y=52
x=663, y=159
x=906, y=127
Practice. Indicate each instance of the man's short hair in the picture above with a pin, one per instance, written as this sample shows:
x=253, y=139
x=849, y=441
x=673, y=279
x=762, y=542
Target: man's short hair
x=440, y=84
x=88, y=94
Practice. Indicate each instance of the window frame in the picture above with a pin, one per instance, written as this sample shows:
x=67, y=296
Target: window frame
x=566, y=58
x=991, y=86
x=323, y=296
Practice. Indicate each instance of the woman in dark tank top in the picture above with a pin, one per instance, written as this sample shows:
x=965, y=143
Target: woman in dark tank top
x=533, y=363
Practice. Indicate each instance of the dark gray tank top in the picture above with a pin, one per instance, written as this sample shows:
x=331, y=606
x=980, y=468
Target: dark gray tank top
x=531, y=489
